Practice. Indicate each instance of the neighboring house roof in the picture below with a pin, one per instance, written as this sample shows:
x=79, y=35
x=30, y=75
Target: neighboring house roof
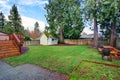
x=3, y=33
x=89, y=36
x=33, y=35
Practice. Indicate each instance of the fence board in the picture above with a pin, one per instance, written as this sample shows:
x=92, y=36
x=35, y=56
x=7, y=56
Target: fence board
x=34, y=42
x=79, y=42
x=85, y=42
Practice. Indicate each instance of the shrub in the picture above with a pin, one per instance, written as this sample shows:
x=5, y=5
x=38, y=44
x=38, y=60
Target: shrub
x=27, y=38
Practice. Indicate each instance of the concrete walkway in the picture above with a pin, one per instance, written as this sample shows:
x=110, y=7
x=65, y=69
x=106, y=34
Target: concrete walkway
x=28, y=72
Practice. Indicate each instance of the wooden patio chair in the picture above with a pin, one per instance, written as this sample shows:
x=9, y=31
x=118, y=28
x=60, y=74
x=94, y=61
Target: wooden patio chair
x=113, y=50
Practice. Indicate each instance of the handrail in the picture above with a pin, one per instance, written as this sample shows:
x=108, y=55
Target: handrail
x=15, y=37
x=16, y=40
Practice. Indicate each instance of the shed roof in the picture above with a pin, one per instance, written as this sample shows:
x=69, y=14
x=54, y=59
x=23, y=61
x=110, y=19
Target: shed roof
x=48, y=35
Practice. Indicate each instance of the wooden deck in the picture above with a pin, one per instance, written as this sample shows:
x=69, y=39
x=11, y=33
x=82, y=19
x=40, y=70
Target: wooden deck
x=113, y=50
x=11, y=46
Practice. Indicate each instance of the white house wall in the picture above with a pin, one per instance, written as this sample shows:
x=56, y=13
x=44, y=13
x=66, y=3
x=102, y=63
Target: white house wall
x=52, y=42
x=43, y=40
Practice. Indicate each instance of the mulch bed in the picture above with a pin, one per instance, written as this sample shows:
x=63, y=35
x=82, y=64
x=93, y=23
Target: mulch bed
x=24, y=50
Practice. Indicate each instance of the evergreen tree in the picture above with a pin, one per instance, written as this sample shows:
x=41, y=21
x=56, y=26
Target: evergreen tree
x=73, y=25
x=91, y=10
x=64, y=18
x=104, y=12
x=109, y=19
x=7, y=28
x=15, y=20
x=36, y=28
x=2, y=20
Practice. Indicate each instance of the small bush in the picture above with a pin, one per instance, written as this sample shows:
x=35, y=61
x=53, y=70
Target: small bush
x=27, y=38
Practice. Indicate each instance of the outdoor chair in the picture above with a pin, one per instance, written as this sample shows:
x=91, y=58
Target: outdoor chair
x=106, y=54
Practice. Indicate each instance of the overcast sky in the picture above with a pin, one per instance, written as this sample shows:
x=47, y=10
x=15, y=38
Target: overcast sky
x=30, y=12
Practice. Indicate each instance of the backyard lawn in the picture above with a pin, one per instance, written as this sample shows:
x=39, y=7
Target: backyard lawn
x=61, y=58
x=92, y=71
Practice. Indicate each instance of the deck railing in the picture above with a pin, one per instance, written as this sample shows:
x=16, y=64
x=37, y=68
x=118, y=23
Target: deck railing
x=18, y=40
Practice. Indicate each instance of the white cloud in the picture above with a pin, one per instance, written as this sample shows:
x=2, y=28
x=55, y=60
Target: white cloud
x=26, y=21
x=4, y=5
x=40, y=3
x=32, y=2
x=29, y=23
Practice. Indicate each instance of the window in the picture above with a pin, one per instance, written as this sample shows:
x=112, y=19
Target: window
x=52, y=39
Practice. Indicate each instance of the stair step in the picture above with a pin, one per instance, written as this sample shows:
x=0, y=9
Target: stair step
x=6, y=42
x=9, y=55
x=3, y=52
x=7, y=49
x=9, y=52
x=11, y=46
x=2, y=49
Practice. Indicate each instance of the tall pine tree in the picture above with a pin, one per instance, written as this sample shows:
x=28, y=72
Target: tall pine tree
x=36, y=27
x=109, y=19
x=15, y=20
x=1, y=21
x=64, y=18
x=91, y=10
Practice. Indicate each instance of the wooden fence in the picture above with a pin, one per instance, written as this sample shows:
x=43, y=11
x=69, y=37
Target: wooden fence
x=78, y=42
x=34, y=42
x=84, y=42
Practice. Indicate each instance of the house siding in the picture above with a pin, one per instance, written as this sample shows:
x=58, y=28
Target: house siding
x=52, y=41
x=43, y=39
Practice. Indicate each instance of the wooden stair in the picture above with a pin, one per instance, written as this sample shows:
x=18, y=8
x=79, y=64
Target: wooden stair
x=8, y=48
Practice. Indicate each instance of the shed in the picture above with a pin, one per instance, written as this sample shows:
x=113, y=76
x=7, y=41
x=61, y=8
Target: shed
x=48, y=39
x=3, y=36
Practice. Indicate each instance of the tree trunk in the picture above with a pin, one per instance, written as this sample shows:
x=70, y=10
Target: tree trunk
x=113, y=35
x=95, y=33
x=61, y=35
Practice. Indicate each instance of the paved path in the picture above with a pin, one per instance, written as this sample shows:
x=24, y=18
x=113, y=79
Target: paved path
x=28, y=72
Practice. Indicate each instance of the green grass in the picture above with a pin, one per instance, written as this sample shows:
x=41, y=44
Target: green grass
x=92, y=71
x=57, y=58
